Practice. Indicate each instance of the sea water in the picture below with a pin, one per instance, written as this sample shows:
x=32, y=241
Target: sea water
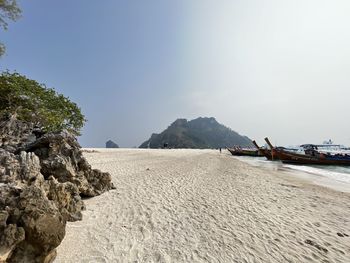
x=326, y=175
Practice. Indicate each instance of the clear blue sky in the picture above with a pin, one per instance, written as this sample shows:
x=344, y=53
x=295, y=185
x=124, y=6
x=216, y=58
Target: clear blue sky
x=264, y=68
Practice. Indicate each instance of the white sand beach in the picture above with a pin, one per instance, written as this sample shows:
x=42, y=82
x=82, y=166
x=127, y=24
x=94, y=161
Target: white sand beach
x=203, y=206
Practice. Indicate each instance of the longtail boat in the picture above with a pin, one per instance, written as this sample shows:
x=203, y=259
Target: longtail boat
x=238, y=151
x=264, y=152
x=311, y=156
x=273, y=154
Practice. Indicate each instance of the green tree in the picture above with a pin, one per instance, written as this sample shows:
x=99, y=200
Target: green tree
x=9, y=10
x=34, y=102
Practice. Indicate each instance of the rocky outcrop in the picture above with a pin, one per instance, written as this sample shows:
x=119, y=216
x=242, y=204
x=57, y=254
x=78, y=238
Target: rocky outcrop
x=200, y=133
x=15, y=133
x=111, y=144
x=42, y=179
x=61, y=157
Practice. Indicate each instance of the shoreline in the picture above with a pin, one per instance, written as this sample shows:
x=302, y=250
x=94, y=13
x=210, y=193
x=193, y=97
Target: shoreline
x=294, y=172
x=321, y=181
x=200, y=205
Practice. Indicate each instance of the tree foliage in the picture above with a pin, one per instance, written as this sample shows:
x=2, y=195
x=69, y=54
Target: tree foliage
x=34, y=102
x=9, y=10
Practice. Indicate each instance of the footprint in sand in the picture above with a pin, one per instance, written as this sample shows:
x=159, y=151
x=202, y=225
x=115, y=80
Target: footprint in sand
x=342, y=234
x=313, y=243
x=160, y=257
x=317, y=224
x=145, y=233
x=95, y=258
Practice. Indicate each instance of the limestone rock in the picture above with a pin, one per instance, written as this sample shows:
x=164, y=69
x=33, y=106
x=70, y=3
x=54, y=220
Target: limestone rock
x=43, y=224
x=111, y=144
x=61, y=157
x=42, y=179
x=15, y=133
x=200, y=133
x=11, y=235
x=66, y=198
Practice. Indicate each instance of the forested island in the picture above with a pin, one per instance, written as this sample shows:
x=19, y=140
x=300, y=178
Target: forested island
x=200, y=133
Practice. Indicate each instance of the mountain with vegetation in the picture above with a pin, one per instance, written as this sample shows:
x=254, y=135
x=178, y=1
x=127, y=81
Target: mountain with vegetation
x=199, y=133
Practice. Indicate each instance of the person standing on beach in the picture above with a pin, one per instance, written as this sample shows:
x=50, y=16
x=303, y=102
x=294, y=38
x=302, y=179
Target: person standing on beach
x=220, y=149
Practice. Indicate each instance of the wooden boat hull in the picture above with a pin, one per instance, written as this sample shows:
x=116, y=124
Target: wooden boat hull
x=319, y=159
x=244, y=152
x=269, y=154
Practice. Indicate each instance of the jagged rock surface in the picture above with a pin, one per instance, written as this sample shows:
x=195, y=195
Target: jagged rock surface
x=42, y=179
x=61, y=157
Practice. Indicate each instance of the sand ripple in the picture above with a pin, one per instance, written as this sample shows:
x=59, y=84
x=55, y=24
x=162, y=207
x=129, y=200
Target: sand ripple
x=202, y=206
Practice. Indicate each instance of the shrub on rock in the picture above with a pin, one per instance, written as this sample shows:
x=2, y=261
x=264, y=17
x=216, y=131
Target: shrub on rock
x=35, y=103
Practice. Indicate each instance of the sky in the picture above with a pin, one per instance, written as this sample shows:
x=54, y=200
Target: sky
x=273, y=68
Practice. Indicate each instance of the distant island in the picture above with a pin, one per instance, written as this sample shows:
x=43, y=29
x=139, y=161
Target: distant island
x=200, y=133
x=111, y=144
